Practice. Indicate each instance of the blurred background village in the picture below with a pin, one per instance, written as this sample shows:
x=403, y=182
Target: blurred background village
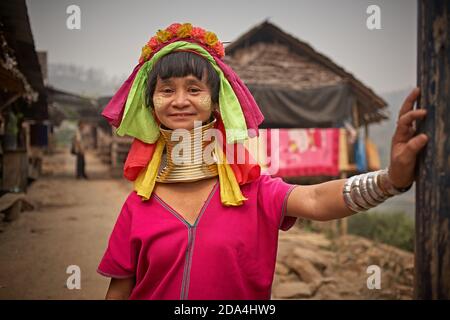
x=333, y=126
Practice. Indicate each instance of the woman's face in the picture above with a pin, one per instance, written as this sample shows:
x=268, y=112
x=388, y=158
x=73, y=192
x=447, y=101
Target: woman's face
x=178, y=102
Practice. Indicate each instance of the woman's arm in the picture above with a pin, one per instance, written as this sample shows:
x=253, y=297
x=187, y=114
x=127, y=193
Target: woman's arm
x=325, y=201
x=120, y=289
x=321, y=202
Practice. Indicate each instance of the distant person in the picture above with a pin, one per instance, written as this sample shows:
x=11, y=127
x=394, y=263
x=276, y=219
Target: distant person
x=79, y=148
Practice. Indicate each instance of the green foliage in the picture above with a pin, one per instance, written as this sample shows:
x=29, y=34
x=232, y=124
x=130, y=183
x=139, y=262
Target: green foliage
x=306, y=225
x=392, y=228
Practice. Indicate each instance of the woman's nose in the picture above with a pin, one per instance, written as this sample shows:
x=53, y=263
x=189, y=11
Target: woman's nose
x=180, y=100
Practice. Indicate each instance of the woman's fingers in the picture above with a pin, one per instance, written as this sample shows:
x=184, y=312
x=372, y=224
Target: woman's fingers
x=405, y=124
x=409, y=102
x=406, y=144
x=415, y=145
x=409, y=117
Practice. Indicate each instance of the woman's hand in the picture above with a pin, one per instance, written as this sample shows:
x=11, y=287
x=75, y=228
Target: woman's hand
x=405, y=143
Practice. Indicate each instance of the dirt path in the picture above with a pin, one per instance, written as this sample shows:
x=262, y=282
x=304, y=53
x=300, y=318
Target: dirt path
x=73, y=219
x=70, y=226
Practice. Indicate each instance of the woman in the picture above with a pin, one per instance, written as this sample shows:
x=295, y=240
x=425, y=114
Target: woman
x=196, y=228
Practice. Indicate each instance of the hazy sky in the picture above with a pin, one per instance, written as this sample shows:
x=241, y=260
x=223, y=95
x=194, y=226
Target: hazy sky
x=113, y=32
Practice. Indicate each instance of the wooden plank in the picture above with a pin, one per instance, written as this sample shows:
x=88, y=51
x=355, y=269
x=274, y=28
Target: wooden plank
x=12, y=204
x=15, y=170
x=8, y=199
x=432, y=259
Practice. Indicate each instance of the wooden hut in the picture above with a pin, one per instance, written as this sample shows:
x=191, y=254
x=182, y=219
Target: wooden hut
x=297, y=87
x=276, y=66
x=23, y=106
x=23, y=100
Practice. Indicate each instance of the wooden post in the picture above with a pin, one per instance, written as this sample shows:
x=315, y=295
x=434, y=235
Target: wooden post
x=432, y=255
x=355, y=115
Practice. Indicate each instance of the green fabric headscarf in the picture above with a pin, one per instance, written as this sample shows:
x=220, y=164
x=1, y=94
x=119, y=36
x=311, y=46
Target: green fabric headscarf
x=138, y=121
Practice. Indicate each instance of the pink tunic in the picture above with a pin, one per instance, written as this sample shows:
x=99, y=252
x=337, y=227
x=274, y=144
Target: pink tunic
x=229, y=253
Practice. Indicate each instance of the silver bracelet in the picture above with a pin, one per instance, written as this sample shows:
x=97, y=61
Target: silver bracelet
x=356, y=195
x=375, y=191
x=348, y=199
x=365, y=191
x=387, y=185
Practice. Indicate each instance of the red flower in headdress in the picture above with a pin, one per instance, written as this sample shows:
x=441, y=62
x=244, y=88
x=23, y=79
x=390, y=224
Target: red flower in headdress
x=219, y=49
x=198, y=34
x=173, y=29
x=153, y=43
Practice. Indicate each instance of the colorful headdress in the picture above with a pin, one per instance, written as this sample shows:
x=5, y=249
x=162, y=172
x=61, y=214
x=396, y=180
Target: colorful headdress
x=239, y=116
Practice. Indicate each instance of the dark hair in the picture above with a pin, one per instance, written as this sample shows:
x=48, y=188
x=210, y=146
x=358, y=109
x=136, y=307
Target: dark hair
x=181, y=64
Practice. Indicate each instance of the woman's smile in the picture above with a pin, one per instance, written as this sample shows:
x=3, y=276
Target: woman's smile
x=182, y=114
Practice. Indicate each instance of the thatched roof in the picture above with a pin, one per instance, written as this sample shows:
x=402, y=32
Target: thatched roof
x=275, y=65
x=13, y=82
x=71, y=106
x=22, y=58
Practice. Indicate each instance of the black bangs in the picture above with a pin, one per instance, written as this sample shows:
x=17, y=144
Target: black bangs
x=181, y=64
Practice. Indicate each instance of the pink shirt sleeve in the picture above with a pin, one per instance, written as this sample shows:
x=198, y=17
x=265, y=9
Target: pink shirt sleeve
x=119, y=258
x=272, y=197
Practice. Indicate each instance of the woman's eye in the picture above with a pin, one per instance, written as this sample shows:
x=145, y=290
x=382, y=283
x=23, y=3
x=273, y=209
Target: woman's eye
x=167, y=90
x=194, y=90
